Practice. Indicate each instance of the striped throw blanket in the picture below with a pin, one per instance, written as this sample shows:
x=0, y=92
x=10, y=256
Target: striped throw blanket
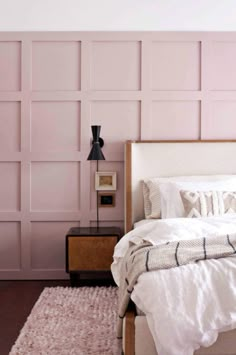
x=146, y=257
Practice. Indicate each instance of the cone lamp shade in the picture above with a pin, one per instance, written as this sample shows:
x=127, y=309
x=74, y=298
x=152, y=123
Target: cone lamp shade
x=96, y=151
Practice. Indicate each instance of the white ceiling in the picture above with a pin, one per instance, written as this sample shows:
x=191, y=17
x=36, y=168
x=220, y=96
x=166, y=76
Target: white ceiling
x=117, y=15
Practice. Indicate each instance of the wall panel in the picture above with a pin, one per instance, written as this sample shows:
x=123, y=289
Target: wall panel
x=10, y=126
x=10, y=239
x=222, y=119
x=55, y=85
x=10, y=186
x=55, y=186
x=115, y=65
x=182, y=116
x=125, y=114
x=10, y=65
x=48, y=239
x=176, y=65
x=55, y=126
x=223, y=74
x=56, y=65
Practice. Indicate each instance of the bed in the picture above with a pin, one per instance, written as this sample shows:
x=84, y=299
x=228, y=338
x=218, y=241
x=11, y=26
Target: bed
x=144, y=159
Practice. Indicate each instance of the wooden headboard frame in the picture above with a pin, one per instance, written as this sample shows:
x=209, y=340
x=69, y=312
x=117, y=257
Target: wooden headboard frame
x=171, y=158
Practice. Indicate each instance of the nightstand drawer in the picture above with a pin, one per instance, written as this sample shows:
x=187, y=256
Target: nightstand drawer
x=89, y=253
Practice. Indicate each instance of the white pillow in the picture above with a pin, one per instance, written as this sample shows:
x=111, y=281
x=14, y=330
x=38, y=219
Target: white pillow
x=152, y=195
x=171, y=202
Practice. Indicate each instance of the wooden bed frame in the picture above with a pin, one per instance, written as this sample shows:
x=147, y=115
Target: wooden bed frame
x=171, y=158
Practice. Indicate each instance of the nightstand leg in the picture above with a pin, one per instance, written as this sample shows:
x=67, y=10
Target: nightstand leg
x=74, y=277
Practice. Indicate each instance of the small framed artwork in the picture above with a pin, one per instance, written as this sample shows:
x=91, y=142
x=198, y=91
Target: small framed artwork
x=105, y=181
x=106, y=199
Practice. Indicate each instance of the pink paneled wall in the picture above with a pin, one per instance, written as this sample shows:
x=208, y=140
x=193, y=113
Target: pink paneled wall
x=54, y=86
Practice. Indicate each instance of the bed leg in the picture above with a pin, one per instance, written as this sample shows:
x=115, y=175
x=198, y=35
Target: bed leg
x=130, y=332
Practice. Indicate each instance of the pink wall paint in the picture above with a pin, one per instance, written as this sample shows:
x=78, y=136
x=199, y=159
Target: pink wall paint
x=54, y=86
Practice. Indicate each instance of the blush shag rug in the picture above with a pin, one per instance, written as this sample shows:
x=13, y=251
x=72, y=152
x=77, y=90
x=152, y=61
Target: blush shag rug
x=71, y=321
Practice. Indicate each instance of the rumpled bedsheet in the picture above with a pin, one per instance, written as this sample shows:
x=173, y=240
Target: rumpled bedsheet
x=186, y=307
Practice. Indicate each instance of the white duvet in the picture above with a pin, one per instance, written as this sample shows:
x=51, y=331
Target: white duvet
x=186, y=306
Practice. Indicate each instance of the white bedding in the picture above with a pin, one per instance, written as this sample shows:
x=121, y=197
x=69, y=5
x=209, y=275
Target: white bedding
x=185, y=306
x=142, y=222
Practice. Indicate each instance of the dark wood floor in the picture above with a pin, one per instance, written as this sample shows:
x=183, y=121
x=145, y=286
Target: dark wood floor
x=16, y=301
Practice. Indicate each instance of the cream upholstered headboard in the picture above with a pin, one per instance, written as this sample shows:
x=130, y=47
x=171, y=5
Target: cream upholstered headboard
x=171, y=158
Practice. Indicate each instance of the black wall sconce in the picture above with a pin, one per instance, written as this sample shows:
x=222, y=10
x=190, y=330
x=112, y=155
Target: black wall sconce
x=96, y=154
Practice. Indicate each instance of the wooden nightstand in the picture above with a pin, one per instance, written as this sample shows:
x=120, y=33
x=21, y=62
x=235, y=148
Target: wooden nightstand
x=89, y=249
